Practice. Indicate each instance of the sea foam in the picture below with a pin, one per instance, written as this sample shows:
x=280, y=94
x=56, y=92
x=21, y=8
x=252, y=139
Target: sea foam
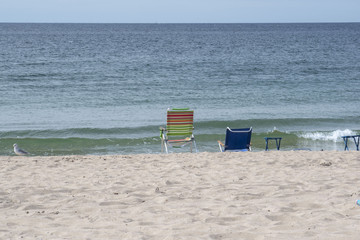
x=334, y=136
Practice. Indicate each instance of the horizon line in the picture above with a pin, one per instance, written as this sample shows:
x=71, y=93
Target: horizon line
x=320, y=22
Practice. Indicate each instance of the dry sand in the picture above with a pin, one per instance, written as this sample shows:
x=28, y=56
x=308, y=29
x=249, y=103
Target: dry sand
x=254, y=195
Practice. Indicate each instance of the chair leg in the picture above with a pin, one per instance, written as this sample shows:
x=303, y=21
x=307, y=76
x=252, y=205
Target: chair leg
x=278, y=144
x=346, y=146
x=196, y=150
x=166, y=147
x=357, y=142
x=266, y=145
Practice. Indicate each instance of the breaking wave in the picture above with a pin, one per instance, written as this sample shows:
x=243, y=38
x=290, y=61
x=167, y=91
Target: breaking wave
x=334, y=136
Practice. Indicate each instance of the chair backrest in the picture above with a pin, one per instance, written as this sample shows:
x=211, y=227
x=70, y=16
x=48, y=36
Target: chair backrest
x=237, y=139
x=180, y=122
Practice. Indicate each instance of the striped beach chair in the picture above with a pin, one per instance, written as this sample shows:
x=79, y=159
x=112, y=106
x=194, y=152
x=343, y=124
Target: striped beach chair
x=179, y=129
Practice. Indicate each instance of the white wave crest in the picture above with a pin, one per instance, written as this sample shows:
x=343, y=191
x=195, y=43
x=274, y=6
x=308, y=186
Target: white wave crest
x=334, y=136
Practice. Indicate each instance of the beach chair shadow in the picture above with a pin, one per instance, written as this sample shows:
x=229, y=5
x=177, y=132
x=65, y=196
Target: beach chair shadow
x=179, y=130
x=236, y=140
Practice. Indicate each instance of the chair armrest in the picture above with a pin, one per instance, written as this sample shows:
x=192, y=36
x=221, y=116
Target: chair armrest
x=162, y=130
x=221, y=146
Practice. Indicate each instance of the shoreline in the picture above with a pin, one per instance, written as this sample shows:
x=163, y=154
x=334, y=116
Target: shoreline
x=250, y=195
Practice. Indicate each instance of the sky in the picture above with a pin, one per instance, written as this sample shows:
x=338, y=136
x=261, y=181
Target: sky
x=179, y=11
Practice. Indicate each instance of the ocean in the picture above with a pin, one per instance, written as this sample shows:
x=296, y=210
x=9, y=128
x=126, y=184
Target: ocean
x=104, y=88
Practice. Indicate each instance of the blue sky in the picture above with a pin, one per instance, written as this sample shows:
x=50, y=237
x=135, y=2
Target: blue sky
x=179, y=11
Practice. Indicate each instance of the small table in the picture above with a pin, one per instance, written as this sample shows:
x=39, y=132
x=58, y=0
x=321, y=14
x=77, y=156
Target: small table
x=356, y=140
x=277, y=140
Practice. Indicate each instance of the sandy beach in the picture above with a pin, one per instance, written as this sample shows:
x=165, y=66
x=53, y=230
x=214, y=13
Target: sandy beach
x=254, y=195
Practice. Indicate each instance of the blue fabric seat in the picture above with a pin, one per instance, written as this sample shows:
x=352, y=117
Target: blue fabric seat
x=236, y=140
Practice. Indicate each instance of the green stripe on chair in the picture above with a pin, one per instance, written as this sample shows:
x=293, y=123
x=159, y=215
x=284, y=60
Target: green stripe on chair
x=179, y=128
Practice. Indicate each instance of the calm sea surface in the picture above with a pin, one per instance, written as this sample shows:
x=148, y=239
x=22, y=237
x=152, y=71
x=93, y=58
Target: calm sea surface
x=105, y=88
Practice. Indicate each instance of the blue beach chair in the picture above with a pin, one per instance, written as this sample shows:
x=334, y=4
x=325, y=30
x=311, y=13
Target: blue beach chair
x=236, y=140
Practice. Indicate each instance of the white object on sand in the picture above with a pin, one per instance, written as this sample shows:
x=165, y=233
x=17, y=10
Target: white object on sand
x=19, y=151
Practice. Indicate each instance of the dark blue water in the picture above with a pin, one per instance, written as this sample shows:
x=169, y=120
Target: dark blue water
x=105, y=88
